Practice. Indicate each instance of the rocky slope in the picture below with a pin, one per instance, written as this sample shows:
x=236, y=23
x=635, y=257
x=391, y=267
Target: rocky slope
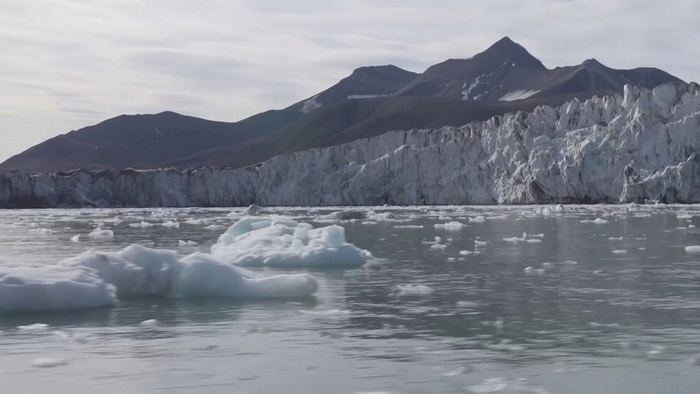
x=638, y=147
x=371, y=101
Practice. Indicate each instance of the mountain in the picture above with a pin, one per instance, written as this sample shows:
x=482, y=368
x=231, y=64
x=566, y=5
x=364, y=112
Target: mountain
x=371, y=101
x=638, y=147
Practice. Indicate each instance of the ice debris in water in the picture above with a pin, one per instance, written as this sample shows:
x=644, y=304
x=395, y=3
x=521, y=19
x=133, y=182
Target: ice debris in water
x=500, y=385
x=149, y=323
x=75, y=238
x=282, y=242
x=171, y=224
x=414, y=290
x=619, y=251
x=477, y=219
x=100, y=233
x=596, y=221
x=692, y=249
x=480, y=244
x=450, y=226
x=252, y=210
x=186, y=243
x=42, y=231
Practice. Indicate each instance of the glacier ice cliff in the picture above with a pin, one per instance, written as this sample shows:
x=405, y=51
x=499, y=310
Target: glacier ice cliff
x=638, y=147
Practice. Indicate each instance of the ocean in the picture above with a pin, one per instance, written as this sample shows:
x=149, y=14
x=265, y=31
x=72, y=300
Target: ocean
x=518, y=299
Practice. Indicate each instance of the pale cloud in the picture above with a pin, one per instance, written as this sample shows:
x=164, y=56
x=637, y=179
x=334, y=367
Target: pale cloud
x=67, y=64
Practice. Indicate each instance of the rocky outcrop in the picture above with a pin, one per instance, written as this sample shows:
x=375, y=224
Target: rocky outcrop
x=637, y=147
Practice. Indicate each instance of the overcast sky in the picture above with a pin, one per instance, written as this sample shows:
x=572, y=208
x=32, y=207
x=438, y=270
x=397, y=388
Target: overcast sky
x=66, y=64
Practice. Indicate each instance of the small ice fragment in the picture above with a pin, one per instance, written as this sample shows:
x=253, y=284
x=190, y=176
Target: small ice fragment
x=42, y=231
x=438, y=246
x=570, y=262
x=49, y=362
x=450, y=226
x=478, y=219
x=149, y=323
x=100, y=233
x=480, y=244
x=534, y=241
x=34, y=327
x=619, y=251
x=409, y=226
x=451, y=259
x=76, y=238
x=537, y=235
x=596, y=221
x=414, y=290
x=171, y=224
x=692, y=249
x=467, y=252
x=547, y=265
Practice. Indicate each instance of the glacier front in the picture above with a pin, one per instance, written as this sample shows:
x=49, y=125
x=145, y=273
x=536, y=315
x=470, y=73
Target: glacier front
x=637, y=147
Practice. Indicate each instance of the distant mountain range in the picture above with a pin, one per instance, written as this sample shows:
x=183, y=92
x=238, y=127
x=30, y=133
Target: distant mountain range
x=371, y=101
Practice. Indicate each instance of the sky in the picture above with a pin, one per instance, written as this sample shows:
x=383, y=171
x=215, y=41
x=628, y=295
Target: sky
x=67, y=64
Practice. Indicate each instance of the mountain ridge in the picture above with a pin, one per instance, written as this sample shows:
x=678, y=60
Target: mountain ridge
x=370, y=101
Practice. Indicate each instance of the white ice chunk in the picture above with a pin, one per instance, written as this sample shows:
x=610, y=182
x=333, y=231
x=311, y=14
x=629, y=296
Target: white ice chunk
x=477, y=219
x=52, y=287
x=100, y=233
x=450, y=226
x=692, y=249
x=265, y=242
x=596, y=221
x=41, y=231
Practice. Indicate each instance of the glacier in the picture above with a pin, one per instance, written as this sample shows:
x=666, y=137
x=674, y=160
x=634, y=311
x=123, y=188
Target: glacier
x=639, y=147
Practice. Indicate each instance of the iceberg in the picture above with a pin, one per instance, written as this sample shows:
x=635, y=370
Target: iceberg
x=53, y=287
x=281, y=242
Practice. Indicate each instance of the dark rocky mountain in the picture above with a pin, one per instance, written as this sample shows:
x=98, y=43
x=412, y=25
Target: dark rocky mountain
x=371, y=101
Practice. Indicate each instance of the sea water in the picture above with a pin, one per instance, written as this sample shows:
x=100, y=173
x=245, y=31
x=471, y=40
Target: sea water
x=532, y=299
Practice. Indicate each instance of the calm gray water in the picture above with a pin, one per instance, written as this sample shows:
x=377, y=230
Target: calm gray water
x=604, y=308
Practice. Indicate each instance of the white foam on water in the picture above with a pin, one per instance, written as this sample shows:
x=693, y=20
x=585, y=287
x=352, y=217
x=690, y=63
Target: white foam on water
x=327, y=312
x=282, y=242
x=414, y=290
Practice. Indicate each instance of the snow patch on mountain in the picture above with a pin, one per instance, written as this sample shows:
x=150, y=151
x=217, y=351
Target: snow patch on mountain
x=518, y=95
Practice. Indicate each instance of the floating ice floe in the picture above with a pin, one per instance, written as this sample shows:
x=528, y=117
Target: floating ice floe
x=619, y=251
x=53, y=287
x=281, y=242
x=477, y=219
x=409, y=226
x=75, y=238
x=186, y=243
x=141, y=271
x=171, y=224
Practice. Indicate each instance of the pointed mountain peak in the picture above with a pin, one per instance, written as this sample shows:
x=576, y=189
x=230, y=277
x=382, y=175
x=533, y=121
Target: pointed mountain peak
x=505, y=42
x=506, y=50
